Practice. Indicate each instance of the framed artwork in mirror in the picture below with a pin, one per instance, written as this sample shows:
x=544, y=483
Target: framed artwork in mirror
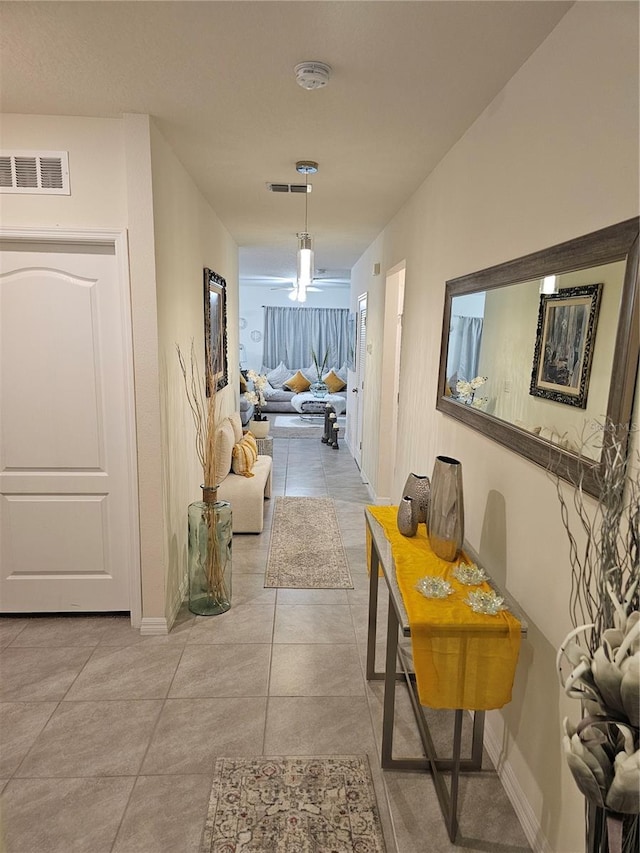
x=215, y=331
x=564, y=344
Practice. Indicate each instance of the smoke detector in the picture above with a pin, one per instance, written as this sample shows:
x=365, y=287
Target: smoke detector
x=312, y=75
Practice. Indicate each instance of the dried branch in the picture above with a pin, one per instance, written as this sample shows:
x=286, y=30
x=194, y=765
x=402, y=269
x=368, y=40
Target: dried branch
x=205, y=414
x=610, y=554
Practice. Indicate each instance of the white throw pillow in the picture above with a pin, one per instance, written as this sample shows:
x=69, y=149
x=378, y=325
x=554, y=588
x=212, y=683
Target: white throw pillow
x=224, y=442
x=269, y=391
x=342, y=372
x=310, y=373
x=236, y=423
x=279, y=375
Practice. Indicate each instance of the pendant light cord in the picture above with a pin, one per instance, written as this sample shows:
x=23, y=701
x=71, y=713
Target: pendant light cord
x=306, y=201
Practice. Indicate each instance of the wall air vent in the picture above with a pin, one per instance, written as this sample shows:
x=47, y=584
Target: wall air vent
x=38, y=172
x=289, y=188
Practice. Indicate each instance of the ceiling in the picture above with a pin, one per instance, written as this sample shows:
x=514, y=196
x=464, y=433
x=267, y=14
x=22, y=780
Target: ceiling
x=408, y=79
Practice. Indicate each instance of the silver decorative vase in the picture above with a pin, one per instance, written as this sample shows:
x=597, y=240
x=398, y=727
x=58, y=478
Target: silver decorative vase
x=446, y=513
x=418, y=488
x=407, y=521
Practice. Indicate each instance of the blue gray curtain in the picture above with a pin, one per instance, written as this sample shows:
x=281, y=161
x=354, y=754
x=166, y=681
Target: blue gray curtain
x=291, y=333
x=465, y=336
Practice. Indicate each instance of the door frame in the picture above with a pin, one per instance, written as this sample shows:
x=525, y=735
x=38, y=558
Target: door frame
x=117, y=239
x=361, y=342
x=390, y=386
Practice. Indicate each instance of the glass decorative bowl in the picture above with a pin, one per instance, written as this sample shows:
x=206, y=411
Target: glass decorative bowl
x=485, y=602
x=469, y=574
x=434, y=587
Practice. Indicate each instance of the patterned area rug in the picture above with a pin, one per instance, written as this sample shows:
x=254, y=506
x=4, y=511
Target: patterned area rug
x=305, y=549
x=292, y=805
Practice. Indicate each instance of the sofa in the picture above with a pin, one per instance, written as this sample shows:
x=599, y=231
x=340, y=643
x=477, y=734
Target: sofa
x=246, y=409
x=247, y=475
x=284, y=383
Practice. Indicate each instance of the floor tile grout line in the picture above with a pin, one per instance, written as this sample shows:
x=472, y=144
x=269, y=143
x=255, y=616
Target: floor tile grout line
x=26, y=755
x=59, y=702
x=149, y=742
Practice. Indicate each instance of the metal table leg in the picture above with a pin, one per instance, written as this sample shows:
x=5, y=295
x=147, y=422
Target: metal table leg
x=372, y=625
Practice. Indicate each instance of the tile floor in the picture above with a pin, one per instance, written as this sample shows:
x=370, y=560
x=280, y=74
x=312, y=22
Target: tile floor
x=108, y=739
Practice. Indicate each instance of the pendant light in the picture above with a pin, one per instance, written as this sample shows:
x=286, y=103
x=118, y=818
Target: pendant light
x=304, y=276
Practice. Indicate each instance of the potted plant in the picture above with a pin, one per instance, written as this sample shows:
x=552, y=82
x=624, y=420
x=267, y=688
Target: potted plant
x=319, y=388
x=259, y=425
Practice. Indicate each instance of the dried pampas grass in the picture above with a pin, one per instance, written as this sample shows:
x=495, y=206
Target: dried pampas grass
x=205, y=412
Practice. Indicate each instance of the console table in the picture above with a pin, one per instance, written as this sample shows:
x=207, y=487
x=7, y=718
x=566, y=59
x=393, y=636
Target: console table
x=382, y=563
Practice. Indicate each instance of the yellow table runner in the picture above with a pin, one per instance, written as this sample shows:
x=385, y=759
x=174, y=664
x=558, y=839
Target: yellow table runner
x=461, y=659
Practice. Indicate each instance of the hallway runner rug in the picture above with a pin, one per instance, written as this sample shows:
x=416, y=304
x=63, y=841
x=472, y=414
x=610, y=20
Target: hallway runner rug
x=300, y=804
x=305, y=549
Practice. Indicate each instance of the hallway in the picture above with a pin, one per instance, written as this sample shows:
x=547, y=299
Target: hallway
x=108, y=739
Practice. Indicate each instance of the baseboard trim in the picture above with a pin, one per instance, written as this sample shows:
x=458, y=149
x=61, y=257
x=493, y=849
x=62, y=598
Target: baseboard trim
x=154, y=626
x=525, y=814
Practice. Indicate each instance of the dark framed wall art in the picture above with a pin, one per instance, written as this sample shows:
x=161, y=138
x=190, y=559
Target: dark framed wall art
x=563, y=352
x=215, y=331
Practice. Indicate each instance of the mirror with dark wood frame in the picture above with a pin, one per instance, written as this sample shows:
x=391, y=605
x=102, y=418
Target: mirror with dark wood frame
x=541, y=353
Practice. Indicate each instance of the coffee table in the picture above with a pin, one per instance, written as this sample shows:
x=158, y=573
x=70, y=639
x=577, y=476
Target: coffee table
x=308, y=405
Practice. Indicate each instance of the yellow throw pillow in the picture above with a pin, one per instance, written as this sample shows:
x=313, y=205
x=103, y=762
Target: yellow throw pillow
x=333, y=382
x=298, y=383
x=251, y=440
x=244, y=457
x=243, y=384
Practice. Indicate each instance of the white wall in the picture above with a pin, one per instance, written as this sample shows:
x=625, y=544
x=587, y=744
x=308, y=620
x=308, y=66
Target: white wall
x=110, y=188
x=188, y=237
x=96, y=167
x=553, y=157
x=124, y=175
x=253, y=298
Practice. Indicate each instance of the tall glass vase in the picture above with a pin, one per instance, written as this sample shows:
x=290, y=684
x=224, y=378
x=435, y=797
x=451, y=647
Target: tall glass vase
x=446, y=512
x=210, y=538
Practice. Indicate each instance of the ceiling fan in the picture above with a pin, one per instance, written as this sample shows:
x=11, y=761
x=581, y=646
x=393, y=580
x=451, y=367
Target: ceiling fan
x=322, y=277
x=334, y=278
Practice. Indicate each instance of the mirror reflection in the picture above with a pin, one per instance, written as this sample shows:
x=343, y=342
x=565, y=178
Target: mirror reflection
x=539, y=354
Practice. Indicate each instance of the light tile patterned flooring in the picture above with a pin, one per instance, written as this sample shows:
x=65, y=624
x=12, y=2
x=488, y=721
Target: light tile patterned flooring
x=108, y=739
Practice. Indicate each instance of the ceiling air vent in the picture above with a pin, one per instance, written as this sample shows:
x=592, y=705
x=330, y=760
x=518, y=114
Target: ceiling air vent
x=39, y=172
x=289, y=188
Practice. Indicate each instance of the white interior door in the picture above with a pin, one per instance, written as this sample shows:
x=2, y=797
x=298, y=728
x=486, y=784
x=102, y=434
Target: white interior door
x=67, y=485
x=361, y=361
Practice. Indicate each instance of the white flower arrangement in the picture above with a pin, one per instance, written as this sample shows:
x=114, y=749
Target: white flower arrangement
x=256, y=397
x=466, y=391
